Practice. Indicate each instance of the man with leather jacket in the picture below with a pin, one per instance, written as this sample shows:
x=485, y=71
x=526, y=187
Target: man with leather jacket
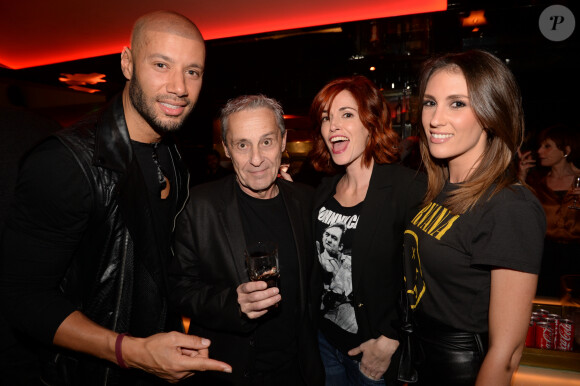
x=83, y=277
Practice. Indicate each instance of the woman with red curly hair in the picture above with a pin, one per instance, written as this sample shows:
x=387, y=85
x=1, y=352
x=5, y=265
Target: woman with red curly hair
x=360, y=216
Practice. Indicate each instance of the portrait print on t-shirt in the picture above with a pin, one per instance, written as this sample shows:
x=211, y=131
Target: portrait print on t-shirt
x=334, y=243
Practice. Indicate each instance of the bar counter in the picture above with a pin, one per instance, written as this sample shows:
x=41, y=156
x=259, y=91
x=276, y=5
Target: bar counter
x=540, y=367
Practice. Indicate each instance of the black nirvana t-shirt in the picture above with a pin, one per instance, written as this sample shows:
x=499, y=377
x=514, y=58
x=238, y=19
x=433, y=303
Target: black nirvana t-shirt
x=449, y=257
x=335, y=229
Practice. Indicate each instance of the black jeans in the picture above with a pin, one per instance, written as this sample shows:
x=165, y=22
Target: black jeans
x=450, y=357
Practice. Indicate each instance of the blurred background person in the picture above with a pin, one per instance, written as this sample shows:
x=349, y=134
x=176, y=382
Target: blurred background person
x=374, y=197
x=475, y=248
x=214, y=170
x=410, y=153
x=552, y=173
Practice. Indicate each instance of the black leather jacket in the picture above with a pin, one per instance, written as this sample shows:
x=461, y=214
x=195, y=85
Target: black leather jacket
x=118, y=275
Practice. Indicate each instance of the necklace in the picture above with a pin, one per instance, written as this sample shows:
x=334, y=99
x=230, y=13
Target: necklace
x=160, y=173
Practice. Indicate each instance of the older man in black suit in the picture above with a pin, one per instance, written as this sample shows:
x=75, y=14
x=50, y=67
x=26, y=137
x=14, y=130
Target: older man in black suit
x=264, y=343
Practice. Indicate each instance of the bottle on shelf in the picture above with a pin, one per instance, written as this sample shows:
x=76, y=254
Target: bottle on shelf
x=398, y=112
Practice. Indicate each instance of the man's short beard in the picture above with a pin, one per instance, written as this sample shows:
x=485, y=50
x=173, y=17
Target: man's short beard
x=146, y=111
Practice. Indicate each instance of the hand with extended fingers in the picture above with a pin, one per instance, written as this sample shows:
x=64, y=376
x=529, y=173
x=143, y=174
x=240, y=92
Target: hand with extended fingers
x=171, y=356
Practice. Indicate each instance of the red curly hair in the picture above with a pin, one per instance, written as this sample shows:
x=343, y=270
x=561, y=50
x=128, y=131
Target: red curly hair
x=375, y=115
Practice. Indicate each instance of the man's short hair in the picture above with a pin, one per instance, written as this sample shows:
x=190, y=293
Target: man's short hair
x=338, y=225
x=251, y=102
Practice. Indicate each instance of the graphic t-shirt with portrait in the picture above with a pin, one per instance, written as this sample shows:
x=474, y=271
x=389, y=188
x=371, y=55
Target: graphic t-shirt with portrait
x=335, y=228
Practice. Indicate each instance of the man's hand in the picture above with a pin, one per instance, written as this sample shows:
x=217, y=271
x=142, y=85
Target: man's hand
x=329, y=263
x=376, y=357
x=255, y=298
x=171, y=356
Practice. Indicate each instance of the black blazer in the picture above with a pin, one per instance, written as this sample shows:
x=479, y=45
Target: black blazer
x=393, y=197
x=209, y=266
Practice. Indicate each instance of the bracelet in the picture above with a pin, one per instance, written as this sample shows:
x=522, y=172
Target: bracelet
x=119, y=352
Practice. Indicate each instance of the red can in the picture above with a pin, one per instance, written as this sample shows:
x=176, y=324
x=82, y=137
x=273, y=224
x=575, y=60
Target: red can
x=531, y=337
x=566, y=333
x=554, y=324
x=544, y=334
x=543, y=313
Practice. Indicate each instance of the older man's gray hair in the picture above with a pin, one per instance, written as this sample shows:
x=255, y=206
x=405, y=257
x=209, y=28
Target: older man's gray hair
x=251, y=102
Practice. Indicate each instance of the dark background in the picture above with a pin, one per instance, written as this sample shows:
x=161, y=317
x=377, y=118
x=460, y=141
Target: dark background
x=292, y=66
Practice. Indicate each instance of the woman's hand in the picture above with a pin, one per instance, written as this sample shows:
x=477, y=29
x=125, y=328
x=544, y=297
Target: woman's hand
x=283, y=173
x=526, y=163
x=376, y=357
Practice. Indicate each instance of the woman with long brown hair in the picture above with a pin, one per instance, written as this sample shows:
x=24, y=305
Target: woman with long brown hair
x=474, y=250
x=360, y=214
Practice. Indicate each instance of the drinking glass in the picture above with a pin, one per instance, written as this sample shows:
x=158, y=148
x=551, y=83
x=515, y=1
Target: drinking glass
x=262, y=262
x=575, y=185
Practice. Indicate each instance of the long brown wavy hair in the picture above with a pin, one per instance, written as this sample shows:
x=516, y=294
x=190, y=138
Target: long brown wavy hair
x=496, y=102
x=375, y=115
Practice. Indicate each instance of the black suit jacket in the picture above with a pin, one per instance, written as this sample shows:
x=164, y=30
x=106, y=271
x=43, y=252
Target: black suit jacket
x=393, y=197
x=209, y=266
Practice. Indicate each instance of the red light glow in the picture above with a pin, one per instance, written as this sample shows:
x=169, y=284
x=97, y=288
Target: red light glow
x=66, y=30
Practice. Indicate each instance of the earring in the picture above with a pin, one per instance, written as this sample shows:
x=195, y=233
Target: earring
x=565, y=155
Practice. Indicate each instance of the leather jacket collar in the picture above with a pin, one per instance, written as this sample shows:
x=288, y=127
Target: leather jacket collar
x=112, y=142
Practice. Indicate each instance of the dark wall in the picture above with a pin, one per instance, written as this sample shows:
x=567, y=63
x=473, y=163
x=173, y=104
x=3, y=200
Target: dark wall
x=293, y=65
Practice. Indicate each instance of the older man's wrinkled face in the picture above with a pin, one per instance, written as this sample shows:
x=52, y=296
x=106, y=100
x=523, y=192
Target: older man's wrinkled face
x=255, y=145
